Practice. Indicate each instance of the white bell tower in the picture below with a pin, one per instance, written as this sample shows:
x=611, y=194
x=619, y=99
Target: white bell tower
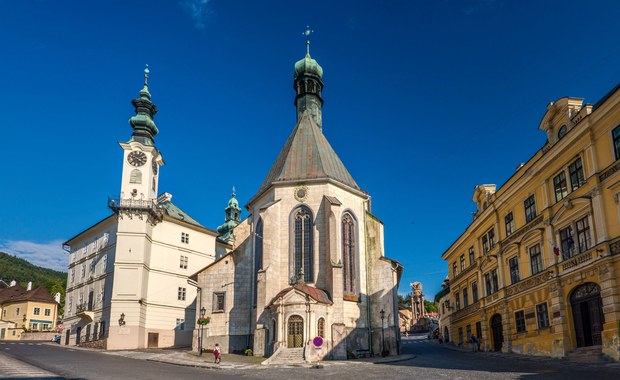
x=141, y=161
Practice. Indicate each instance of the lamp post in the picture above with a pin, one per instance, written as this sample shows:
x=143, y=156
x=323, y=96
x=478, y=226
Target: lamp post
x=382, y=313
x=202, y=317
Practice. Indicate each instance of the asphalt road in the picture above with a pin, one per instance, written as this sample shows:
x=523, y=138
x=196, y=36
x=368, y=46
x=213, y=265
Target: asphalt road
x=432, y=361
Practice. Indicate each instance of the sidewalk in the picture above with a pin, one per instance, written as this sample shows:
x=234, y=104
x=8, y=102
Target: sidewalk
x=184, y=357
x=516, y=356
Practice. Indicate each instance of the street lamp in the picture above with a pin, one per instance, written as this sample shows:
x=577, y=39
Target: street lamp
x=382, y=312
x=202, y=325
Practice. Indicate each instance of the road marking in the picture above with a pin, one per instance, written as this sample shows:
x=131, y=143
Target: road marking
x=12, y=368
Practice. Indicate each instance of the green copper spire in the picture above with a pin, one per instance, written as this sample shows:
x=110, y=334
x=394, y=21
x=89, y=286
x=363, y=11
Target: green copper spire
x=144, y=128
x=308, y=85
x=233, y=218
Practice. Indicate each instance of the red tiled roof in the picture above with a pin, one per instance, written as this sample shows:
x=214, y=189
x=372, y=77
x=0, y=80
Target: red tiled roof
x=318, y=295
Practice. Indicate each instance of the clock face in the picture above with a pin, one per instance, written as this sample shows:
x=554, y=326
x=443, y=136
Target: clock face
x=301, y=193
x=155, y=166
x=136, y=158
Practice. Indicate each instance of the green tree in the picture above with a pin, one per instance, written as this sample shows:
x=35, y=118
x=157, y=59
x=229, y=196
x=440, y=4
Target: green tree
x=430, y=306
x=404, y=301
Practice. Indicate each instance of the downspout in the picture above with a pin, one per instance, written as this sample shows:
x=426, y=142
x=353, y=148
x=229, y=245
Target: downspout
x=253, y=282
x=368, y=319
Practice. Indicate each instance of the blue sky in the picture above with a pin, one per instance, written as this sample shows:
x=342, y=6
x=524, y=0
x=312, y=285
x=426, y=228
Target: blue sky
x=423, y=101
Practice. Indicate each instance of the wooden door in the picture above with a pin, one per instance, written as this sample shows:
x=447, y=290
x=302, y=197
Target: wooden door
x=588, y=317
x=67, y=337
x=153, y=341
x=295, y=332
x=498, y=335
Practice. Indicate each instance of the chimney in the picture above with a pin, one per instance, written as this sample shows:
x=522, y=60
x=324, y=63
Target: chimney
x=29, y=286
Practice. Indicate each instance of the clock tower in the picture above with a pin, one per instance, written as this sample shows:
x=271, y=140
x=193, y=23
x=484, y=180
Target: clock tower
x=141, y=159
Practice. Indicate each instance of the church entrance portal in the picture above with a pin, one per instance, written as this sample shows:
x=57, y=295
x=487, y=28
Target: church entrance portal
x=588, y=317
x=498, y=336
x=295, y=332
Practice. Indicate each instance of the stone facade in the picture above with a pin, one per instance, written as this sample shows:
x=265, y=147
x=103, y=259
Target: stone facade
x=309, y=259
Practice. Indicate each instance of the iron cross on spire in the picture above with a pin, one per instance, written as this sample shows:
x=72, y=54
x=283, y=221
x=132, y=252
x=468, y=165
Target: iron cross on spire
x=146, y=75
x=307, y=33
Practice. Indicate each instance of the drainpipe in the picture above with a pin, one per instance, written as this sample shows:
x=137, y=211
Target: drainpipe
x=253, y=280
x=368, y=319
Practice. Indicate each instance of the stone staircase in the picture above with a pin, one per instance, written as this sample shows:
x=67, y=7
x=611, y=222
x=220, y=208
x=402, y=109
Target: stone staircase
x=587, y=355
x=287, y=356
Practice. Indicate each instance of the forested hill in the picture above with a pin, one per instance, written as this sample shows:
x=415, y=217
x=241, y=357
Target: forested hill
x=20, y=270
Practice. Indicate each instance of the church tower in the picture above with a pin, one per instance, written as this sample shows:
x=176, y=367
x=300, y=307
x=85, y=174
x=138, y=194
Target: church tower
x=141, y=160
x=232, y=219
x=308, y=85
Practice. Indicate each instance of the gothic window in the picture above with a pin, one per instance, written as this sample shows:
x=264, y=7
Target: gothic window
x=136, y=176
x=320, y=327
x=258, y=255
x=302, y=238
x=349, y=254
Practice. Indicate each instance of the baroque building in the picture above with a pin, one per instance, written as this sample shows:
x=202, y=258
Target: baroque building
x=127, y=284
x=309, y=259
x=537, y=271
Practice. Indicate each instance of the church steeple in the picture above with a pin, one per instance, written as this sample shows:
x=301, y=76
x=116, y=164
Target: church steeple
x=144, y=128
x=308, y=85
x=233, y=218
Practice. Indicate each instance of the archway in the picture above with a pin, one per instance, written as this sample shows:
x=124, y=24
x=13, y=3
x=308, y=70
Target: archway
x=496, y=328
x=588, y=318
x=295, y=332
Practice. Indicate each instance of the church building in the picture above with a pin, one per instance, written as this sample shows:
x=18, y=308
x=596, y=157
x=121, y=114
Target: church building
x=308, y=260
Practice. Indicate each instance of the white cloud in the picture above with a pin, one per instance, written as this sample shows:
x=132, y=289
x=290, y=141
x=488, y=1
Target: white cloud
x=47, y=255
x=197, y=10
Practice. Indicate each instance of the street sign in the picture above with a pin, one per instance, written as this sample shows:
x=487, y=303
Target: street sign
x=317, y=341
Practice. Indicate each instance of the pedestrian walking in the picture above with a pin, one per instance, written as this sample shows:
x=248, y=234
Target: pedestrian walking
x=474, y=343
x=217, y=353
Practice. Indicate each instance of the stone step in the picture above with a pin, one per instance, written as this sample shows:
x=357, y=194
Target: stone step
x=591, y=354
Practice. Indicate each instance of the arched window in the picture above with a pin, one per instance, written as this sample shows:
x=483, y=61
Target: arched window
x=136, y=176
x=349, y=249
x=320, y=327
x=302, y=240
x=258, y=255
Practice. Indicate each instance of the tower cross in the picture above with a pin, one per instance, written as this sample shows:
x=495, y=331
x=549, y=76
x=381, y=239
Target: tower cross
x=307, y=33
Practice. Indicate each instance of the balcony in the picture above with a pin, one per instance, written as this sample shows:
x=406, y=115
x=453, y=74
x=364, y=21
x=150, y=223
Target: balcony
x=131, y=206
x=85, y=311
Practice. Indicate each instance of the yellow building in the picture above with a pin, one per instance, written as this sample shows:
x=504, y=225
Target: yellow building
x=26, y=310
x=537, y=271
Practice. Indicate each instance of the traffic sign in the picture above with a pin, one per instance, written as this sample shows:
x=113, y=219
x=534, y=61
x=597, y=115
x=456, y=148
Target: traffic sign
x=317, y=341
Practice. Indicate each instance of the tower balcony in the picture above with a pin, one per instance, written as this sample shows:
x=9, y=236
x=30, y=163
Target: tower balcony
x=131, y=206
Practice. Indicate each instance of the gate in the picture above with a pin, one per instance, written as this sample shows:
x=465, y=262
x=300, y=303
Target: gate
x=295, y=332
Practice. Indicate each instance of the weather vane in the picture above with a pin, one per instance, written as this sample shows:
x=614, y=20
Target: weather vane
x=307, y=33
x=146, y=75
